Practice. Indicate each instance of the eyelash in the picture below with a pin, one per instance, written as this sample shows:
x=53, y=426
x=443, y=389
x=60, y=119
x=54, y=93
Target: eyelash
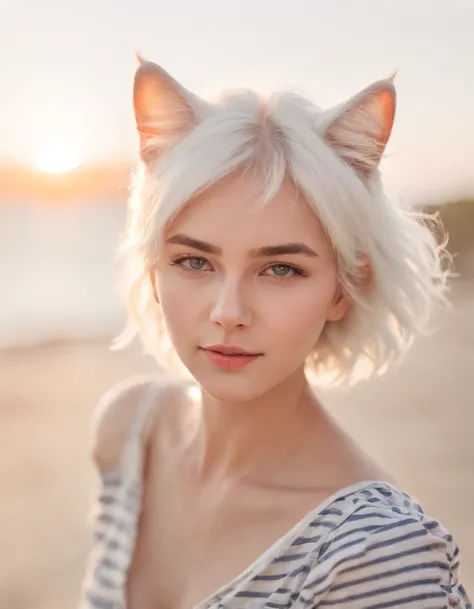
x=179, y=259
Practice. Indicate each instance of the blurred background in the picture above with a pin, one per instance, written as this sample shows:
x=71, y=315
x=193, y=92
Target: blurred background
x=67, y=147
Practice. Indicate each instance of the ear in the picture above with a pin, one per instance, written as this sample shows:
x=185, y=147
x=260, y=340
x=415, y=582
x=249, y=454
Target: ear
x=163, y=108
x=359, y=129
x=339, y=307
x=362, y=281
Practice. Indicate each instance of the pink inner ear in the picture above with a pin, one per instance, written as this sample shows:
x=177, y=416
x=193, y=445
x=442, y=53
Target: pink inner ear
x=148, y=95
x=382, y=109
x=360, y=134
x=162, y=110
x=388, y=111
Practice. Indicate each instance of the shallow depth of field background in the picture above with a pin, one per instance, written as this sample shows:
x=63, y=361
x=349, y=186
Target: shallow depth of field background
x=65, y=158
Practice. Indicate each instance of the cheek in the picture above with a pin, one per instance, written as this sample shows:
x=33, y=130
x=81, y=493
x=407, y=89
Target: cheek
x=299, y=316
x=177, y=304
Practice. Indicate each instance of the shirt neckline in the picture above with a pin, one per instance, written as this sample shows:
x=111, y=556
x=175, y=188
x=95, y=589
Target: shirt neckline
x=287, y=538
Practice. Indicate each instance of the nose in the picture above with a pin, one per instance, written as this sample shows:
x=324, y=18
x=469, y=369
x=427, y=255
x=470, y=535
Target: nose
x=230, y=309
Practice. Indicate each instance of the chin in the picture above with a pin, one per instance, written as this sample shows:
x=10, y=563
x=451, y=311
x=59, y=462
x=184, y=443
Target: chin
x=238, y=386
x=230, y=388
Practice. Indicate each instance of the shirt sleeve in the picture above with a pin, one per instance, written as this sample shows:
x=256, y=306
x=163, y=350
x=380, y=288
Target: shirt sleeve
x=380, y=561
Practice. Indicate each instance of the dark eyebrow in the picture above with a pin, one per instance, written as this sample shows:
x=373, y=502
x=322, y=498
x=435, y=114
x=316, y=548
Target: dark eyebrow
x=269, y=250
x=196, y=244
x=285, y=248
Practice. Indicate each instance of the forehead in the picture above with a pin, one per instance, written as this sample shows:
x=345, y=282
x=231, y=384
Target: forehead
x=233, y=211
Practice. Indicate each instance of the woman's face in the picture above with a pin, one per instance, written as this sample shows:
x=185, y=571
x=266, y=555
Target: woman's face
x=261, y=279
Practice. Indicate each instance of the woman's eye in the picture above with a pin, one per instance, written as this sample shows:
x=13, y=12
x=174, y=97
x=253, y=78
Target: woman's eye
x=195, y=264
x=284, y=270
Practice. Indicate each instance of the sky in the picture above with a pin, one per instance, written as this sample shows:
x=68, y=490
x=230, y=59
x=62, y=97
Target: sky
x=67, y=67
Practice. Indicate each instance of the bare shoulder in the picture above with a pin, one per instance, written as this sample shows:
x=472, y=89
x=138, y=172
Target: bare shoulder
x=118, y=408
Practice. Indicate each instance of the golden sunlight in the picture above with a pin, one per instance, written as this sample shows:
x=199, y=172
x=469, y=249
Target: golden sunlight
x=58, y=157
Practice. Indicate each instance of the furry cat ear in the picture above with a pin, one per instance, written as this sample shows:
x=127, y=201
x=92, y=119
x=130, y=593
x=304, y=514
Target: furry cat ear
x=163, y=108
x=359, y=129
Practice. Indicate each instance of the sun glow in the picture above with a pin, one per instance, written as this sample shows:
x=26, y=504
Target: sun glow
x=58, y=157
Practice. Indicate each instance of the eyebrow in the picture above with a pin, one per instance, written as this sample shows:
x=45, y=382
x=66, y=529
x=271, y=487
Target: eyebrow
x=268, y=250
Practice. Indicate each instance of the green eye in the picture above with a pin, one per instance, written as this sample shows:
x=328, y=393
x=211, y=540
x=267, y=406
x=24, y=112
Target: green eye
x=196, y=263
x=189, y=263
x=286, y=270
x=281, y=270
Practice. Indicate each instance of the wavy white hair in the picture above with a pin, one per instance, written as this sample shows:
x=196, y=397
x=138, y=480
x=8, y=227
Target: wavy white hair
x=332, y=156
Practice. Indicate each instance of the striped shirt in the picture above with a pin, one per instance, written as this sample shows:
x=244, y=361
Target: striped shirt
x=369, y=546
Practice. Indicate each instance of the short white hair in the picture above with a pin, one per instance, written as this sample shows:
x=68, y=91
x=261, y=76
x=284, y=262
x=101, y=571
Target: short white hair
x=332, y=156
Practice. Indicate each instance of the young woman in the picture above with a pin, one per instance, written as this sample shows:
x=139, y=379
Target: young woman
x=260, y=249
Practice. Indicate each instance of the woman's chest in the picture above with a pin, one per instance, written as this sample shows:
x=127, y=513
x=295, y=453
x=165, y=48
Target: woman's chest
x=187, y=549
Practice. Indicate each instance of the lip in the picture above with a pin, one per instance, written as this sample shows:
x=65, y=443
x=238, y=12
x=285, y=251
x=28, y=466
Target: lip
x=229, y=350
x=226, y=360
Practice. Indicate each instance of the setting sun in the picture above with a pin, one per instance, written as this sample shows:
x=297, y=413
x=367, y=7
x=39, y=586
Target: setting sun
x=57, y=157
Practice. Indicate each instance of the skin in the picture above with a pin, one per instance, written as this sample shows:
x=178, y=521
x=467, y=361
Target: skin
x=257, y=452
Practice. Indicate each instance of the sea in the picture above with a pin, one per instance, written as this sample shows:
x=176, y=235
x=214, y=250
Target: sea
x=58, y=279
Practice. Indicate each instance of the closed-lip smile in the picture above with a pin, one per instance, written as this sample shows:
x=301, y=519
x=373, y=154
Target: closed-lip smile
x=229, y=357
x=229, y=350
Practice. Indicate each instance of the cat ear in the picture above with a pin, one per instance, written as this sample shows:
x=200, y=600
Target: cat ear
x=359, y=129
x=163, y=108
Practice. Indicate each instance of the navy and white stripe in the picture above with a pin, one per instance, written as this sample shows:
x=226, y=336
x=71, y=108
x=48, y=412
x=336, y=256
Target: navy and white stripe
x=368, y=547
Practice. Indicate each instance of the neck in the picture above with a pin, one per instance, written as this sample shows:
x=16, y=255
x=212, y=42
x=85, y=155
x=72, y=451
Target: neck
x=241, y=439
